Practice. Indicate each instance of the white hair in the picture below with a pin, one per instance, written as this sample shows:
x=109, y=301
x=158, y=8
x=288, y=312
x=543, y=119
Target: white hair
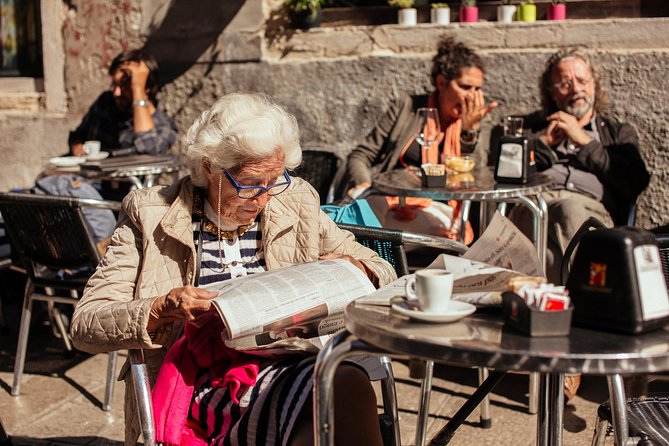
x=241, y=127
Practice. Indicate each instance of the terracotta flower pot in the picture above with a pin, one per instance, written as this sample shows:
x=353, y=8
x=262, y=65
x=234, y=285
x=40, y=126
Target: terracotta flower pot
x=557, y=11
x=469, y=13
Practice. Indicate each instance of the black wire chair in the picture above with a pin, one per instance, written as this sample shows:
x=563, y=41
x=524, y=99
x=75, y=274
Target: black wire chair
x=322, y=169
x=55, y=246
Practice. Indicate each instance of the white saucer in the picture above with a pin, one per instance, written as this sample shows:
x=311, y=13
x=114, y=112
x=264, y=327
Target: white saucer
x=67, y=161
x=97, y=157
x=456, y=310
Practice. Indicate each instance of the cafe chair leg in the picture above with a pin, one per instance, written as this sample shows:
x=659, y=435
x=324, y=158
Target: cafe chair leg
x=601, y=426
x=110, y=381
x=22, y=344
x=391, y=417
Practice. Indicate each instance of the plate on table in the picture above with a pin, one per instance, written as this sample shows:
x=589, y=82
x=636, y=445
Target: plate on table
x=97, y=157
x=456, y=310
x=67, y=161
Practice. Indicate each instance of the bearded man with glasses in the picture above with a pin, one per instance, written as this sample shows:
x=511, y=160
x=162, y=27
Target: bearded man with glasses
x=593, y=158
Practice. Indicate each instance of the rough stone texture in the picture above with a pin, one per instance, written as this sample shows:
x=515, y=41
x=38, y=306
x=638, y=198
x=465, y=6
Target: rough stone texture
x=338, y=81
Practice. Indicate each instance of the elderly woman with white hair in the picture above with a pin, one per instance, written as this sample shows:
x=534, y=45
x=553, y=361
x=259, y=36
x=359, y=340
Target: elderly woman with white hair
x=238, y=213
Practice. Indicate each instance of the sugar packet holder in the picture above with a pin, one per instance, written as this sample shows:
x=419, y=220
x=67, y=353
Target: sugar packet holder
x=433, y=175
x=532, y=321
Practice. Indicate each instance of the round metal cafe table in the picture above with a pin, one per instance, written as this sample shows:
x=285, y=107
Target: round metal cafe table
x=477, y=185
x=481, y=340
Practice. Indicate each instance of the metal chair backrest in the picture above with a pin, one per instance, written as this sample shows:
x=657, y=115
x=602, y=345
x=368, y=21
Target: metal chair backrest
x=49, y=231
x=321, y=168
x=387, y=243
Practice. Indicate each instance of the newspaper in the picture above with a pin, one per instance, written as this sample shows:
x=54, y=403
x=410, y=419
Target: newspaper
x=503, y=244
x=293, y=308
x=483, y=273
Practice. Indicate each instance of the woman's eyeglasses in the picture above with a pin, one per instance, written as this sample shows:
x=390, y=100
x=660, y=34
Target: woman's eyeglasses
x=280, y=185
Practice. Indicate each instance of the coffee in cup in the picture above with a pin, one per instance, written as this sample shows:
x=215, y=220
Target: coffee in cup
x=432, y=288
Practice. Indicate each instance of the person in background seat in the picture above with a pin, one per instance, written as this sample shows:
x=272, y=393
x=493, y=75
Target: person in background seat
x=593, y=157
x=127, y=116
x=457, y=76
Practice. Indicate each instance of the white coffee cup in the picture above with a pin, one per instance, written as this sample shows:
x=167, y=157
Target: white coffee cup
x=92, y=148
x=433, y=289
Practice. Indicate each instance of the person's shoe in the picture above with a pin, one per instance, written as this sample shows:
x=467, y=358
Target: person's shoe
x=571, y=385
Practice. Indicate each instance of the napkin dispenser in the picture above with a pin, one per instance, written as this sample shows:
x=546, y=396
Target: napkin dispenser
x=616, y=281
x=515, y=160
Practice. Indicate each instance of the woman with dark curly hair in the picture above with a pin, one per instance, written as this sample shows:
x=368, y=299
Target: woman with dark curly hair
x=457, y=76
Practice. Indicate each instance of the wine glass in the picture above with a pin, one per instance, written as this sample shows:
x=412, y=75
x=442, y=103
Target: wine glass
x=428, y=132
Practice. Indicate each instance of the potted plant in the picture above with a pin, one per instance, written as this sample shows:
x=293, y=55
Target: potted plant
x=440, y=14
x=407, y=14
x=527, y=11
x=557, y=10
x=506, y=11
x=469, y=12
x=304, y=14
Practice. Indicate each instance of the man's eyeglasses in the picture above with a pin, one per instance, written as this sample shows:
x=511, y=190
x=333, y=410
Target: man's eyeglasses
x=280, y=185
x=566, y=86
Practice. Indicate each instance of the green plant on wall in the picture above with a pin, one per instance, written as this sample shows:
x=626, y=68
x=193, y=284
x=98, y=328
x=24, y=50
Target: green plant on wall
x=402, y=4
x=304, y=5
x=469, y=3
x=439, y=5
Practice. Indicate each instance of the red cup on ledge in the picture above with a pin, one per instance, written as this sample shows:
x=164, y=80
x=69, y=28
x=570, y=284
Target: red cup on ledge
x=557, y=11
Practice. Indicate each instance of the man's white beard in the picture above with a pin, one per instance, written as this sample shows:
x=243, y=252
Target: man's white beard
x=579, y=111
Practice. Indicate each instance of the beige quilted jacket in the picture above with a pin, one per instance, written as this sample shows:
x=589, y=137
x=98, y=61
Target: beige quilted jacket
x=152, y=252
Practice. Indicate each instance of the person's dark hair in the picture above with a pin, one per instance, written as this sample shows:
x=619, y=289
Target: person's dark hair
x=546, y=81
x=139, y=55
x=451, y=58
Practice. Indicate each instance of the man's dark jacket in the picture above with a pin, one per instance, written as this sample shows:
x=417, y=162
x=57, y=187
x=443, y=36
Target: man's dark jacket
x=615, y=160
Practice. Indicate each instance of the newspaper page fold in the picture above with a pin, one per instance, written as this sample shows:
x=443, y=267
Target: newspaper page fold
x=483, y=273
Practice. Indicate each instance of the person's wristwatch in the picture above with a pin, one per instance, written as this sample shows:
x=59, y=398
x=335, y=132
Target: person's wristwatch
x=140, y=103
x=469, y=136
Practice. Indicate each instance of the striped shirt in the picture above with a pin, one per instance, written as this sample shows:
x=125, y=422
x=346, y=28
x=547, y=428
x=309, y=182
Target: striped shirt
x=268, y=410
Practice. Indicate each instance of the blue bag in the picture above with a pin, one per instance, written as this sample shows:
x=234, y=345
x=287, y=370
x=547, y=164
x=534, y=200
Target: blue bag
x=357, y=213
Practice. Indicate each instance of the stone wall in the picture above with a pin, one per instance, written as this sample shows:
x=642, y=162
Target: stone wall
x=338, y=81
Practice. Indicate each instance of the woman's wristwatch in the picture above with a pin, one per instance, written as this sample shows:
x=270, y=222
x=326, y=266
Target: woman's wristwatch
x=469, y=136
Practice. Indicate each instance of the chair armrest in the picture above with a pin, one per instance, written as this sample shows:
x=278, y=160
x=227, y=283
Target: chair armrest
x=100, y=204
x=433, y=241
x=142, y=389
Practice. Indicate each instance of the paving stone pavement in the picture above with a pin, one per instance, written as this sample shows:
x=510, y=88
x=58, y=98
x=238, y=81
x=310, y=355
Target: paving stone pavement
x=60, y=402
